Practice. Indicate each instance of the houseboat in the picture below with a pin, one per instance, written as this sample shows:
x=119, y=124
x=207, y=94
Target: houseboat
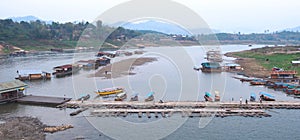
x=258, y=82
x=9, y=91
x=232, y=67
x=33, y=75
x=150, y=97
x=87, y=64
x=102, y=61
x=110, y=91
x=266, y=96
x=211, y=67
x=214, y=56
x=101, y=54
x=65, y=70
x=207, y=96
x=121, y=96
x=284, y=76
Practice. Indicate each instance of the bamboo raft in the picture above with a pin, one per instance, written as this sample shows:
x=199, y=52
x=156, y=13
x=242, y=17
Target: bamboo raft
x=185, y=108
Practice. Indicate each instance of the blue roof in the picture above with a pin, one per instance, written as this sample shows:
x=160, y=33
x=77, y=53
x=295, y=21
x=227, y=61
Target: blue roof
x=150, y=93
x=207, y=93
x=253, y=95
x=211, y=65
x=266, y=94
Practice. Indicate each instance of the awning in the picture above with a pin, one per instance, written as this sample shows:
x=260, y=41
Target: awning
x=11, y=86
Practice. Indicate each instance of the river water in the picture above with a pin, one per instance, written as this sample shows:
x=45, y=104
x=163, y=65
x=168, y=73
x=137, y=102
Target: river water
x=171, y=78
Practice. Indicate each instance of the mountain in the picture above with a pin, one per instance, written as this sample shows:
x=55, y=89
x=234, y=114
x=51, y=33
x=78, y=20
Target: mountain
x=159, y=26
x=28, y=19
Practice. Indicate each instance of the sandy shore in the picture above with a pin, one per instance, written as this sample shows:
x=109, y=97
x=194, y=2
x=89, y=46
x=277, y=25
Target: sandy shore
x=122, y=68
x=251, y=67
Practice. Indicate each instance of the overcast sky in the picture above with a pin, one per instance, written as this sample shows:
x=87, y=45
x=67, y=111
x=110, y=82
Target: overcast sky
x=226, y=15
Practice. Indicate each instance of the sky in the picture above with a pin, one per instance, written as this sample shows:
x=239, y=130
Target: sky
x=245, y=16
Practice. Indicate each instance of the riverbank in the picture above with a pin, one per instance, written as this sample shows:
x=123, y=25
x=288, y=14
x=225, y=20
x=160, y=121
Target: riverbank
x=259, y=62
x=27, y=128
x=122, y=68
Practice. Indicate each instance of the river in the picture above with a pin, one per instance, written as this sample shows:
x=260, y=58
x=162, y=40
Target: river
x=171, y=78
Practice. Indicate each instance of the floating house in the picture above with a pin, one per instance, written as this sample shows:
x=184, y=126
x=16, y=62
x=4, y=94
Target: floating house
x=211, y=67
x=9, y=91
x=102, y=61
x=284, y=76
x=87, y=64
x=65, y=70
x=33, y=75
x=111, y=55
x=214, y=56
x=232, y=67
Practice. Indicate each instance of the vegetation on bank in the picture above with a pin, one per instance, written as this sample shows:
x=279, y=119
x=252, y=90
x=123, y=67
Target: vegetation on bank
x=37, y=35
x=270, y=57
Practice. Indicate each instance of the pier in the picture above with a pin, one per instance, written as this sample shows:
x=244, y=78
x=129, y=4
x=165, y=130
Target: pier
x=185, y=108
x=42, y=100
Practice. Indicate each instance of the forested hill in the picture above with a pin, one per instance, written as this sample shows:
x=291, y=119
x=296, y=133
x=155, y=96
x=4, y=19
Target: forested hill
x=39, y=35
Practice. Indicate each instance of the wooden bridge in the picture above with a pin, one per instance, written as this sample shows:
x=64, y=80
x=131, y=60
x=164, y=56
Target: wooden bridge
x=185, y=108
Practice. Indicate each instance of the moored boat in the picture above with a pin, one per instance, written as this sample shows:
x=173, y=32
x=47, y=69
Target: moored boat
x=33, y=75
x=65, y=70
x=211, y=67
x=258, y=82
x=134, y=98
x=150, y=97
x=252, y=97
x=266, y=96
x=207, y=96
x=110, y=91
x=121, y=96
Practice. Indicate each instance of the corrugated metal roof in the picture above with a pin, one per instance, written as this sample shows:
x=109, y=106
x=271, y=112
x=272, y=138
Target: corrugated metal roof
x=27, y=72
x=12, y=85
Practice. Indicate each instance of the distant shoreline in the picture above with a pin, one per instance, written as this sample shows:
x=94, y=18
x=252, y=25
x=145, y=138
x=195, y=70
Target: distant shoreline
x=259, y=62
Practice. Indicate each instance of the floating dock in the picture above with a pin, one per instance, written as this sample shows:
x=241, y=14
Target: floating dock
x=42, y=100
x=185, y=108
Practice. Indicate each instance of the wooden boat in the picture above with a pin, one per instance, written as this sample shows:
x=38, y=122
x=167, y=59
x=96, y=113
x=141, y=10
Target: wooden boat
x=297, y=91
x=258, y=82
x=150, y=97
x=33, y=75
x=252, y=97
x=266, y=96
x=121, y=96
x=134, y=98
x=217, y=96
x=211, y=67
x=84, y=98
x=207, y=96
x=65, y=70
x=110, y=91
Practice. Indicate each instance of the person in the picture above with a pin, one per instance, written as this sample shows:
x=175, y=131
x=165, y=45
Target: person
x=260, y=100
x=241, y=100
x=246, y=101
x=106, y=72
